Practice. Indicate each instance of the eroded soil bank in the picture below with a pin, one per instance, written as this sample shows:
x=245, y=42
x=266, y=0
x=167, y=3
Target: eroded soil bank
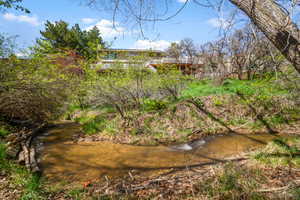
x=62, y=159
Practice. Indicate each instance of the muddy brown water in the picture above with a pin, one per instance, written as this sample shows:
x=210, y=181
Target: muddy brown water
x=63, y=160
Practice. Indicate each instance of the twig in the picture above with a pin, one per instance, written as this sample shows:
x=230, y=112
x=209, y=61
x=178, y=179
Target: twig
x=290, y=185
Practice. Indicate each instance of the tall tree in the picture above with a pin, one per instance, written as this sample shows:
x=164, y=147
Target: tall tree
x=186, y=48
x=276, y=24
x=58, y=36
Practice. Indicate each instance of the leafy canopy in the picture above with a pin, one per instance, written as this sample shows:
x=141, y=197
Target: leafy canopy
x=8, y=4
x=58, y=37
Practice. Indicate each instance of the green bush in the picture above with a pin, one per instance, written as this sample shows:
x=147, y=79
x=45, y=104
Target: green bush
x=35, y=86
x=132, y=88
x=83, y=119
x=153, y=105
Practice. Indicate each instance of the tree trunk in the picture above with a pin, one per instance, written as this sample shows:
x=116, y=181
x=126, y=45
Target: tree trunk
x=276, y=24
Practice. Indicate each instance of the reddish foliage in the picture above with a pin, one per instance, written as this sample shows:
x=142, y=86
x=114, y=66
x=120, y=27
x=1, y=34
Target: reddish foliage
x=69, y=62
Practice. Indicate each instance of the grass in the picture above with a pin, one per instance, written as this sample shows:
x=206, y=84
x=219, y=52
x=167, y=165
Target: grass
x=20, y=177
x=296, y=193
x=154, y=105
x=2, y=152
x=91, y=125
x=76, y=193
x=231, y=182
x=94, y=125
x=232, y=86
x=83, y=119
x=32, y=188
x=3, y=131
x=280, y=152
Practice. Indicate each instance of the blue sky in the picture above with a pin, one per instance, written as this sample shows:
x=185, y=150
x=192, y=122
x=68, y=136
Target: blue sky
x=199, y=23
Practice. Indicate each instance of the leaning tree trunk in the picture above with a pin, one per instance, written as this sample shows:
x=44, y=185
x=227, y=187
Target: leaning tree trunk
x=276, y=24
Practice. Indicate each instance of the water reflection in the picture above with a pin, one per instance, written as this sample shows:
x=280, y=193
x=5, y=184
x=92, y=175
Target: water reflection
x=64, y=160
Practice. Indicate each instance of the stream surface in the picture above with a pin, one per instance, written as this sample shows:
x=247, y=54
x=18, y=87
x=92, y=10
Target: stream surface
x=63, y=160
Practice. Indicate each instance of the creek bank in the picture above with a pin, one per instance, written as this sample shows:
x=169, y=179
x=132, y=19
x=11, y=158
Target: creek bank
x=22, y=147
x=190, y=119
x=150, y=140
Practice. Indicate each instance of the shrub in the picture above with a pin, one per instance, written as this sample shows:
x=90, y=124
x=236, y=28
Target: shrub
x=154, y=105
x=127, y=89
x=33, y=90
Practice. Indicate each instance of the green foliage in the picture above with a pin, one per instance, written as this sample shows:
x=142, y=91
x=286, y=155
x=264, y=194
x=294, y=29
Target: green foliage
x=264, y=89
x=20, y=177
x=2, y=152
x=33, y=89
x=58, y=36
x=83, y=119
x=95, y=125
x=277, y=119
x=154, y=105
x=237, y=121
x=32, y=187
x=111, y=127
x=14, y=4
x=76, y=194
x=132, y=88
x=217, y=101
x=3, y=131
x=296, y=193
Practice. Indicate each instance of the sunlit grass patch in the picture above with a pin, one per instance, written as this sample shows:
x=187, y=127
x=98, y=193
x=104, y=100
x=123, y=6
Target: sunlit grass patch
x=283, y=151
x=32, y=188
x=95, y=125
x=83, y=119
x=232, y=86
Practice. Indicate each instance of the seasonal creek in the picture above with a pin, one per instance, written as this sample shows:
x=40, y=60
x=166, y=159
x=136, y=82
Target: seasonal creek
x=63, y=160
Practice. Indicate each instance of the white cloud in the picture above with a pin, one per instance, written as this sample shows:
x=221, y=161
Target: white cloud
x=22, y=18
x=108, y=29
x=181, y=1
x=88, y=20
x=155, y=45
x=219, y=22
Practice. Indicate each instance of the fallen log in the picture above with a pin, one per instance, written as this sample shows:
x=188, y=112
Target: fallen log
x=28, y=153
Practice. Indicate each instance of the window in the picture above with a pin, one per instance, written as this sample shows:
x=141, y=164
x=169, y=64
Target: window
x=111, y=56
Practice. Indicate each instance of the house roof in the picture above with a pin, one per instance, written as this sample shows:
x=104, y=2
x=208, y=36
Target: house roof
x=134, y=50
